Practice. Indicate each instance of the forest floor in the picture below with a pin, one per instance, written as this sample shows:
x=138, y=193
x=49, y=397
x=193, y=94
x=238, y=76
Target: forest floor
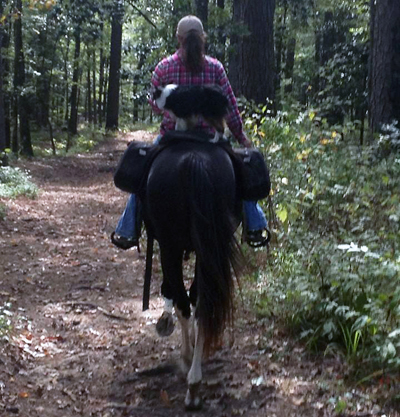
x=80, y=344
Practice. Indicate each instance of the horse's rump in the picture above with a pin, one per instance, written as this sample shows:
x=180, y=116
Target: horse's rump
x=172, y=187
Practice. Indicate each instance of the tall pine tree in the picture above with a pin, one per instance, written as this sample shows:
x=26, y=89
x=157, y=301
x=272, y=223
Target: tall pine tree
x=385, y=63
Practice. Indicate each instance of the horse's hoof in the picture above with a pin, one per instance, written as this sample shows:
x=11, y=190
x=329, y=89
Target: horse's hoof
x=193, y=401
x=165, y=325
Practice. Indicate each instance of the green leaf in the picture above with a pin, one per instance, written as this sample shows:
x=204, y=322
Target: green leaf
x=282, y=214
x=340, y=406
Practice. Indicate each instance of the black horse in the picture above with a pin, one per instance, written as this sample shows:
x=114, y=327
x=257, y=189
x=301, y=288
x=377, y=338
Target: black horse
x=191, y=204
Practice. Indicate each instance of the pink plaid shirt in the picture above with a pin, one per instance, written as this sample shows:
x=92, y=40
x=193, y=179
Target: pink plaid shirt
x=172, y=70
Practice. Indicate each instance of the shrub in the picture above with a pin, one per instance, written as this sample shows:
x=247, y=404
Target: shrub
x=334, y=277
x=14, y=182
x=5, y=319
x=3, y=211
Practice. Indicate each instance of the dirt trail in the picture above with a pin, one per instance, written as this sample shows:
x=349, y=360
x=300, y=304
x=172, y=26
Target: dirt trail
x=80, y=339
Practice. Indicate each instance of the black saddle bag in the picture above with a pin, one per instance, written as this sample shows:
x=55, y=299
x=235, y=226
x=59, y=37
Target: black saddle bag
x=251, y=170
x=132, y=169
x=253, y=174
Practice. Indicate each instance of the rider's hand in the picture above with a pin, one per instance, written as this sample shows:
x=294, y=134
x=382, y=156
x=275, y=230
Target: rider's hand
x=247, y=143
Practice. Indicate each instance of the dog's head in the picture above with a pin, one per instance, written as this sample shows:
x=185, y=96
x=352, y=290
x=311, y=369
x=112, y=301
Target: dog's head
x=161, y=93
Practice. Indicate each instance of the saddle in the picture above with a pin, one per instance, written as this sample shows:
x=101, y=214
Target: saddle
x=251, y=171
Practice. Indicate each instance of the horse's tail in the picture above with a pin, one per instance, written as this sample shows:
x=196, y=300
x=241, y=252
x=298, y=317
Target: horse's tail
x=217, y=251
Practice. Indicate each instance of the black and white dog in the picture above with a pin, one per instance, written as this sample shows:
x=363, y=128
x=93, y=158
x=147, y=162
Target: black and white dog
x=187, y=103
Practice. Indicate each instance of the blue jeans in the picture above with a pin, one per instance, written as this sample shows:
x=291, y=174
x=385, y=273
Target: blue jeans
x=126, y=226
x=254, y=216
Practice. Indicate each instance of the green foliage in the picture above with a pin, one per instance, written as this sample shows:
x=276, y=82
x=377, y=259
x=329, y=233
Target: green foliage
x=88, y=138
x=5, y=321
x=3, y=211
x=331, y=56
x=343, y=77
x=334, y=276
x=15, y=182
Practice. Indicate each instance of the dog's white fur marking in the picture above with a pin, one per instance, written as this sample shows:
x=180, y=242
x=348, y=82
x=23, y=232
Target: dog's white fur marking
x=160, y=101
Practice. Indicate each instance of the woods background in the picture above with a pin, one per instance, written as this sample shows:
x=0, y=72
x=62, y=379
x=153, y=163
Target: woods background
x=69, y=62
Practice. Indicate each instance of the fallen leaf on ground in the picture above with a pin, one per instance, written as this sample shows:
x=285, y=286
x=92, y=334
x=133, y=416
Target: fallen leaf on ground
x=165, y=398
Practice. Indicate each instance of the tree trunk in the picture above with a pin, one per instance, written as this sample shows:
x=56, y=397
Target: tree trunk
x=135, y=112
x=43, y=82
x=105, y=90
x=328, y=38
x=66, y=85
x=234, y=55
x=94, y=113
x=2, y=115
x=19, y=83
x=385, y=63
x=371, y=48
x=14, y=139
x=289, y=66
x=5, y=70
x=89, y=88
x=115, y=67
x=73, y=118
x=201, y=7
x=280, y=42
x=101, y=87
x=221, y=37
x=256, y=70
x=316, y=80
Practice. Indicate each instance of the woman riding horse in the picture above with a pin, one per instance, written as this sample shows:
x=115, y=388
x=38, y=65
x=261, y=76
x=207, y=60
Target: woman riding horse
x=190, y=66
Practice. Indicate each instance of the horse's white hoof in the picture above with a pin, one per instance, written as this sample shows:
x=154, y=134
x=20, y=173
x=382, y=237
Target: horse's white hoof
x=193, y=401
x=165, y=324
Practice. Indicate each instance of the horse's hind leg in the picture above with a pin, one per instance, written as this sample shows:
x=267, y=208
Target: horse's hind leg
x=193, y=399
x=193, y=302
x=173, y=290
x=187, y=347
x=196, y=339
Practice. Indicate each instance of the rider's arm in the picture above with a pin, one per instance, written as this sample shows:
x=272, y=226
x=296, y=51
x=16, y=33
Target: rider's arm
x=233, y=120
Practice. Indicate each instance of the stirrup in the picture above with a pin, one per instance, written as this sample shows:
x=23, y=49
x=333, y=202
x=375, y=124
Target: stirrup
x=256, y=239
x=123, y=242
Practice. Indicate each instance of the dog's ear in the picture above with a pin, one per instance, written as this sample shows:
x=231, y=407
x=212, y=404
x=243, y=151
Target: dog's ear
x=157, y=91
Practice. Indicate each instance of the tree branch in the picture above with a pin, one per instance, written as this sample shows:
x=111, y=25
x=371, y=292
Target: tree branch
x=142, y=14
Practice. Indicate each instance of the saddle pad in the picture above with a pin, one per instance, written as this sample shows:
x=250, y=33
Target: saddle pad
x=173, y=136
